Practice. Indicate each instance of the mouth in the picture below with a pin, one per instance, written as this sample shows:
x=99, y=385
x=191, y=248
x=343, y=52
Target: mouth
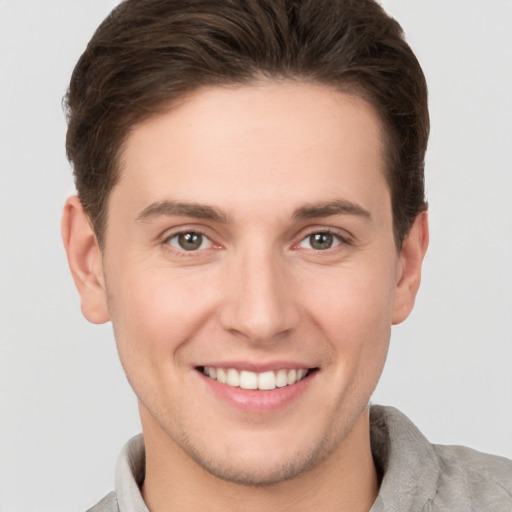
x=263, y=381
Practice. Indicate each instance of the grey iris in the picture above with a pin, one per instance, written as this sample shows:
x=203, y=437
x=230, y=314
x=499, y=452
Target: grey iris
x=190, y=241
x=321, y=241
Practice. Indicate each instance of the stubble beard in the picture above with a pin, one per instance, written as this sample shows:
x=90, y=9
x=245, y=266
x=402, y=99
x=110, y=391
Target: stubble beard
x=245, y=473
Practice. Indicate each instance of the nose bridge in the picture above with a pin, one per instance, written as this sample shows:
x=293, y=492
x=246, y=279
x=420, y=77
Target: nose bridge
x=259, y=302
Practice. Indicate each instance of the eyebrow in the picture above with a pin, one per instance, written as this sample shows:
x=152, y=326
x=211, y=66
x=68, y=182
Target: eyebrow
x=200, y=211
x=171, y=208
x=328, y=208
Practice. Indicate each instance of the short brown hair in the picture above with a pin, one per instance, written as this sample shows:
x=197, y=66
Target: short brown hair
x=147, y=53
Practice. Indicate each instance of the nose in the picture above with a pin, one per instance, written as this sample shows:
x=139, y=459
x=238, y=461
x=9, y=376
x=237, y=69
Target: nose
x=258, y=300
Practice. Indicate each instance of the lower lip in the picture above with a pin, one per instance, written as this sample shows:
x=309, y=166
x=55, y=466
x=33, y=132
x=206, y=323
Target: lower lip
x=260, y=401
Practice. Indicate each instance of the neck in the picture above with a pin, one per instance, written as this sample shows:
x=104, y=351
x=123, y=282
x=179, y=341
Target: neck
x=344, y=480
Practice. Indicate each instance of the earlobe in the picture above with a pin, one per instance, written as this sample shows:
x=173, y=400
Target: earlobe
x=411, y=259
x=85, y=261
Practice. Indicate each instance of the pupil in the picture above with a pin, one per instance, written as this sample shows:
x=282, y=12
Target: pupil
x=190, y=241
x=321, y=241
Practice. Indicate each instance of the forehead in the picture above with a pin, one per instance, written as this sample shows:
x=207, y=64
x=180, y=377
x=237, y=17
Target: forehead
x=268, y=143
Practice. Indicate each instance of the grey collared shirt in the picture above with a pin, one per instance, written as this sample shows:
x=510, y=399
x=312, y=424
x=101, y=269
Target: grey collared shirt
x=416, y=476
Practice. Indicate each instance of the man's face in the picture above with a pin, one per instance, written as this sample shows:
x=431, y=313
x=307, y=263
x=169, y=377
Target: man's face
x=250, y=236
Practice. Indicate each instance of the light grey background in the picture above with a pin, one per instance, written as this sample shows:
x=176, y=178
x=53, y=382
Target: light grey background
x=65, y=408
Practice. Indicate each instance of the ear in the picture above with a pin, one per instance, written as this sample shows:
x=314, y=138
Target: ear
x=85, y=261
x=409, y=271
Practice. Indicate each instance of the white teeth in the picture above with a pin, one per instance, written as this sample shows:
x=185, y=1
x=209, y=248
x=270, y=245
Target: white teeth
x=248, y=380
x=267, y=380
x=300, y=374
x=252, y=380
x=221, y=375
x=281, y=379
x=233, y=378
x=291, y=377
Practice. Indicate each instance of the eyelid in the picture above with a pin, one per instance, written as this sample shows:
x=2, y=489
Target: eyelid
x=338, y=232
x=169, y=232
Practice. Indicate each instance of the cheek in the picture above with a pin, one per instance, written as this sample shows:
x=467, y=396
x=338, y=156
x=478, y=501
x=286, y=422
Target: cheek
x=155, y=311
x=151, y=322
x=354, y=310
x=357, y=320
x=355, y=297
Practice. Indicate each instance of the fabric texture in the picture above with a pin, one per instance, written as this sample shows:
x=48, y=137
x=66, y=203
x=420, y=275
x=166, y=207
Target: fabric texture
x=416, y=476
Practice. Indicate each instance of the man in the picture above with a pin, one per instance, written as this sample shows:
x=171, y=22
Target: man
x=251, y=218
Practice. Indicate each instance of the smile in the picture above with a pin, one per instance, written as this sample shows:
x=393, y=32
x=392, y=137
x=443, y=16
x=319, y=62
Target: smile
x=264, y=381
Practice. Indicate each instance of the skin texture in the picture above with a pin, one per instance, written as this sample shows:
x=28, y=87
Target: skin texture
x=254, y=294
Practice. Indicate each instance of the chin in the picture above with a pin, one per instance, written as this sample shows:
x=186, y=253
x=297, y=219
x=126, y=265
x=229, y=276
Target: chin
x=260, y=467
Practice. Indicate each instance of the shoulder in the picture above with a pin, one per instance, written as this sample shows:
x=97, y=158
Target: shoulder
x=107, y=504
x=418, y=475
x=475, y=477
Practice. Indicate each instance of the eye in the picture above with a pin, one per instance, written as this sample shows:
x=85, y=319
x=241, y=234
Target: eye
x=321, y=241
x=189, y=241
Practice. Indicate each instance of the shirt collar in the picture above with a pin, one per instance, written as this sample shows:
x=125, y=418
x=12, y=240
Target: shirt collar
x=408, y=464
x=129, y=476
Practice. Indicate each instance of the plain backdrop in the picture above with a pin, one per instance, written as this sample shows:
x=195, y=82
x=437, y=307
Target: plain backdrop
x=65, y=407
